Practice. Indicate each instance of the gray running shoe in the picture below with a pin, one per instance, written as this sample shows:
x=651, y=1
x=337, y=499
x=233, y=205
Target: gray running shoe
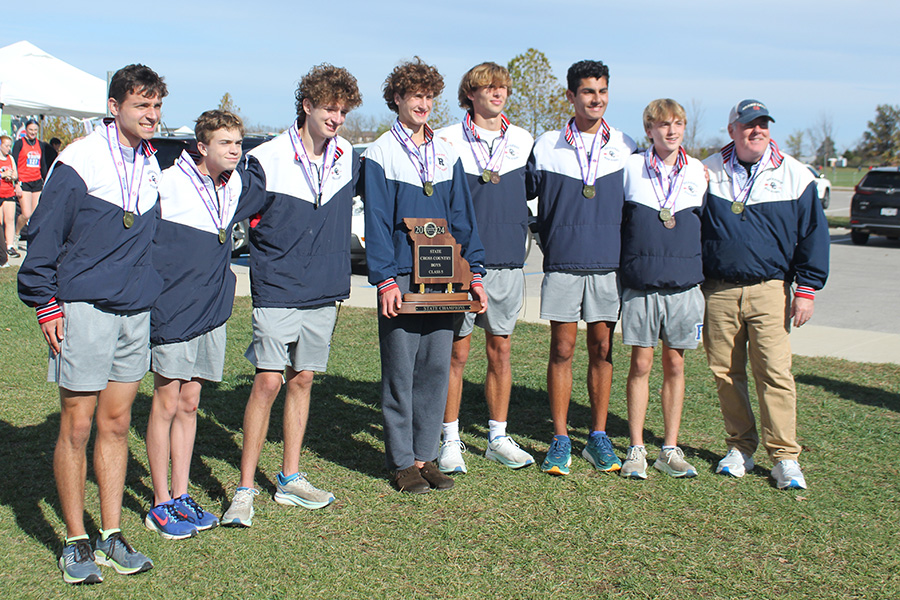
x=635, y=465
x=300, y=492
x=671, y=461
x=450, y=458
x=117, y=553
x=240, y=513
x=77, y=563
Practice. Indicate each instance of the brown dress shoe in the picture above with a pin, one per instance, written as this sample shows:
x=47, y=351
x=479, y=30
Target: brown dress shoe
x=410, y=481
x=435, y=478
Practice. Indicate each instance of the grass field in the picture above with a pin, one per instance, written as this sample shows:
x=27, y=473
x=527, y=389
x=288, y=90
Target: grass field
x=497, y=534
x=844, y=176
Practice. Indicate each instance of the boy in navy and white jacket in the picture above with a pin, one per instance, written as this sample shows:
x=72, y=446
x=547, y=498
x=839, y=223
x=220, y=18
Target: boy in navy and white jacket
x=411, y=173
x=661, y=270
x=577, y=174
x=200, y=199
x=89, y=274
x=299, y=270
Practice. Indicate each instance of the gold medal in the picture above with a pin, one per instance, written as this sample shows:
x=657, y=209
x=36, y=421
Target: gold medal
x=669, y=223
x=588, y=191
x=737, y=208
x=495, y=177
x=486, y=176
x=429, y=188
x=665, y=215
x=128, y=219
x=222, y=236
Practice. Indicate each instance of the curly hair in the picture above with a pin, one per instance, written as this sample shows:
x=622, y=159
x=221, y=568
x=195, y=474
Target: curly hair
x=213, y=120
x=488, y=73
x=585, y=69
x=411, y=76
x=661, y=109
x=324, y=84
x=136, y=79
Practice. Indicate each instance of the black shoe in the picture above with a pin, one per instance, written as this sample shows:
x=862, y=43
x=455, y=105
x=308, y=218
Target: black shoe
x=13, y=252
x=410, y=481
x=434, y=477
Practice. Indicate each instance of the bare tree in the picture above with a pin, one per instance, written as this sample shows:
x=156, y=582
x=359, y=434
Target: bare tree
x=227, y=103
x=695, y=113
x=442, y=114
x=821, y=136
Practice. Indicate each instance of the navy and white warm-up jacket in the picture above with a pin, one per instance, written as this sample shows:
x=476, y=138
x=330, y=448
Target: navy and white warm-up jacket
x=79, y=249
x=578, y=233
x=781, y=234
x=393, y=192
x=300, y=252
x=500, y=209
x=198, y=284
x=654, y=257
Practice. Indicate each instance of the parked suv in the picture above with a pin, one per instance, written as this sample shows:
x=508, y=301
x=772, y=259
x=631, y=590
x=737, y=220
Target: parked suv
x=875, y=208
x=168, y=149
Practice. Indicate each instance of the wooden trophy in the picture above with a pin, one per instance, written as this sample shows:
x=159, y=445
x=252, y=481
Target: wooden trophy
x=437, y=260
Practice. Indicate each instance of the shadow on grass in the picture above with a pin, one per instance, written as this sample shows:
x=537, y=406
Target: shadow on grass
x=861, y=394
x=26, y=468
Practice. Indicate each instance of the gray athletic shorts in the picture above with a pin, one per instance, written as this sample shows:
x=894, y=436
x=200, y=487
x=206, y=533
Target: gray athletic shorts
x=505, y=289
x=589, y=296
x=202, y=357
x=99, y=347
x=295, y=337
x=676, y=317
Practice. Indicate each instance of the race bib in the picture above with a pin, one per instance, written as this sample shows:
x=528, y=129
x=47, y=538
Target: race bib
x=33, y=159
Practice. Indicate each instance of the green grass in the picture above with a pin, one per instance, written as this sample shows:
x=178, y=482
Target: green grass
x=838, y=221
x=497, y=533
x=845, y=176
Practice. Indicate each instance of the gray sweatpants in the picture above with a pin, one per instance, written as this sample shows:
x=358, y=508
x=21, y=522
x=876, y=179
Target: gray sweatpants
x=415, y=371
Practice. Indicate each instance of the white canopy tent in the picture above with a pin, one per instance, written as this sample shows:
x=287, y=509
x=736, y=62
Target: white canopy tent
x=33, y=82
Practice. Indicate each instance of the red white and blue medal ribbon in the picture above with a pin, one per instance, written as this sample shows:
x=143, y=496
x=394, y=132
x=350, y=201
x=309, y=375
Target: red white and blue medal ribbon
x=741, y=193
x=665, y=188
x=589, y=166
x=486, y=161
x=130, y=189
x=210, y=197
x=330, y=156
x=423, y=161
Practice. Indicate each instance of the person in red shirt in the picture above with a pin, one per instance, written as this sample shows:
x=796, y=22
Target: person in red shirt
x=8, y=177
x=28, y=152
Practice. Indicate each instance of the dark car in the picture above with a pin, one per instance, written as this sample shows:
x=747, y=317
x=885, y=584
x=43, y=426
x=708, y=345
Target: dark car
x=169, y=148
x=875, y=208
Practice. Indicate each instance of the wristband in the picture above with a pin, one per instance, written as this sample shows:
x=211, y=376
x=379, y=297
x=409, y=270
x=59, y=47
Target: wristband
x=387, y=285
x=804, y=291
x=48, y=312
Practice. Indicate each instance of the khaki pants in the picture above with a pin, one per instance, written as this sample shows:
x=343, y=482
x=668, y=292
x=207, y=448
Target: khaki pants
x=753, y=320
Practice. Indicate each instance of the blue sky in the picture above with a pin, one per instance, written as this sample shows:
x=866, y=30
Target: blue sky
x=804, y=59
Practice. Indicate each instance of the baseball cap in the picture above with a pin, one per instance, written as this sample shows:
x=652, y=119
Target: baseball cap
x=747, y=110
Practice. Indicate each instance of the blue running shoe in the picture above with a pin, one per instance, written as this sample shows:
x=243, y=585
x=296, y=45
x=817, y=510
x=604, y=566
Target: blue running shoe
x=170, y=522
x=77, y=563
x=599, y=452
x=559, y=456
x=201, y=519
x=115, y=552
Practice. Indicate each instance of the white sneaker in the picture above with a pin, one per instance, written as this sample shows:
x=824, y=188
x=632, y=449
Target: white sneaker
x=300, y=492
x=635, y=465
x=507, y=452
x=240, y=513
x=450, y=458
x=787, y=475
x=735, y=463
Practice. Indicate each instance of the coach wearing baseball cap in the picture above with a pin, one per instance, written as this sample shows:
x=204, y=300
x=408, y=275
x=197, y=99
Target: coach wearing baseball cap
x=765, y=254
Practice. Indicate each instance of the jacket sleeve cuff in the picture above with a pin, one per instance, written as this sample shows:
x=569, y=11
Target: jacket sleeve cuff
x=387, y=285
x=476, y=280
x=804, y=291
x=48, y=312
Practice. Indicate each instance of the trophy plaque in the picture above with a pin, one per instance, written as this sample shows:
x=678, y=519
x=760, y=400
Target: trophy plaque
x=437, y=260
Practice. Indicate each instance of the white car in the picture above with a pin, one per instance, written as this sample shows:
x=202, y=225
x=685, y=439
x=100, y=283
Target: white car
x=823, y=186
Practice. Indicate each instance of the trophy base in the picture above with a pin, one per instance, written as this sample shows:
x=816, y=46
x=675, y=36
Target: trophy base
x=422, y=304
